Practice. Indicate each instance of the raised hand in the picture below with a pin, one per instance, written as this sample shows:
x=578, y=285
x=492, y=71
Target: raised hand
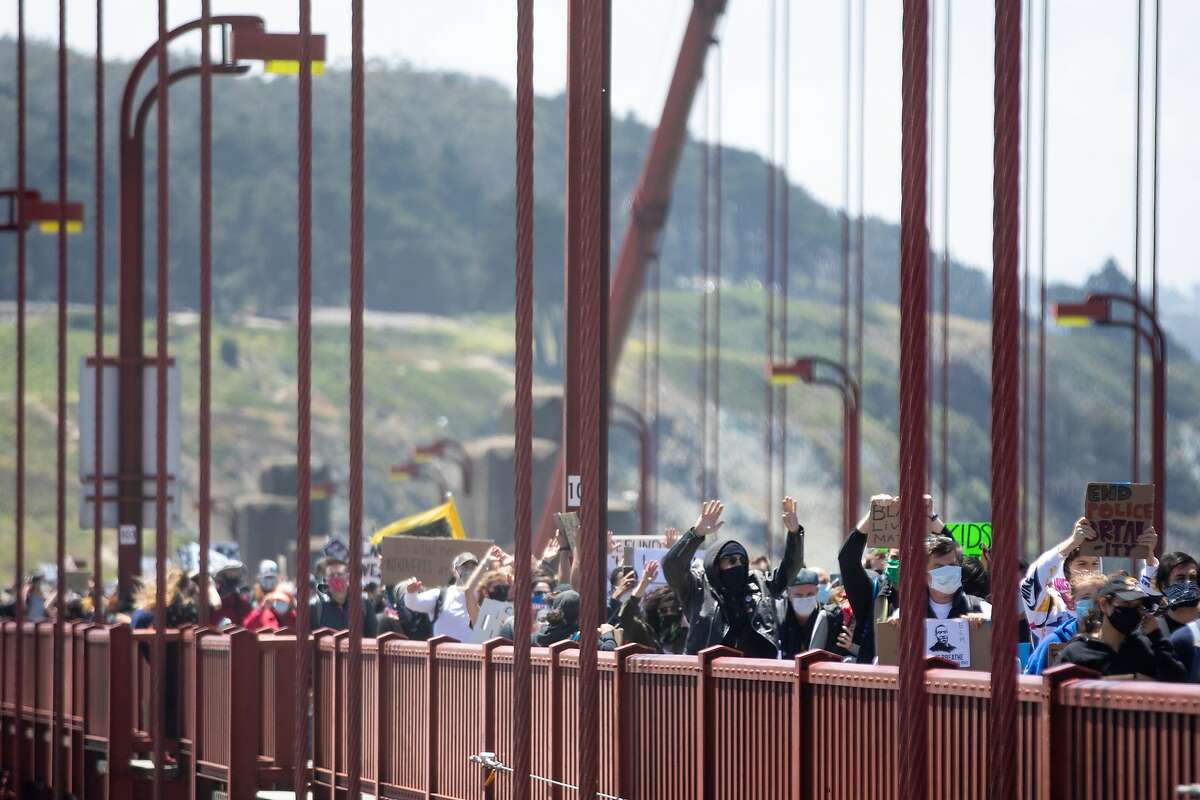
x=625, y=584
x=1148, y=539
x=670, y=535
x=790, y=520
x=414, y=585
x=866, y=520
x=709, y=520
x=649, y=573
x=612, y=543
x=1083, y=532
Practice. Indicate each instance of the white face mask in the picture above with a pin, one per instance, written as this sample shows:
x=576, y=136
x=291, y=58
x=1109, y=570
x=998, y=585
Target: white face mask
x=280, y=607
x=804, y=606
x=946, y=579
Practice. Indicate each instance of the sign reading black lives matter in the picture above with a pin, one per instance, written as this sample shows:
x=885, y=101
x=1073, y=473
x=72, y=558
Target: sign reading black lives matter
x=1119, y=513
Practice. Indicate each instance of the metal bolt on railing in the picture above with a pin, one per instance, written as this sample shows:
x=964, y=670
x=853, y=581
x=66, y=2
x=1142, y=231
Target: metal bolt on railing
x=489, y=762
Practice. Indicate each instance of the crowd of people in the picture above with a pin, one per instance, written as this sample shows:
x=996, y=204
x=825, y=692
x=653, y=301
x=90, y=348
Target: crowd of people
x=707, y=590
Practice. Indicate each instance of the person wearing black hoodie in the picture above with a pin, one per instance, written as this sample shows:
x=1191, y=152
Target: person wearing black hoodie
x=725, y=602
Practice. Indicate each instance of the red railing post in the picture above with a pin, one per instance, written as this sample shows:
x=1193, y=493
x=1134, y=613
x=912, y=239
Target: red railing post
x=431, y=705
x=196, y=716
x=341, y=712
x=558, y=746
x=1054, y=738
x=704, y=717
x=487, y=705
x=383, y=736
x=625, y=739
x=801, y=768
x=119, y=781
x=244, y=724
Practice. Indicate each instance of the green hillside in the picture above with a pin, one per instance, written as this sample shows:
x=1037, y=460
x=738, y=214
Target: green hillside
x=439, y=351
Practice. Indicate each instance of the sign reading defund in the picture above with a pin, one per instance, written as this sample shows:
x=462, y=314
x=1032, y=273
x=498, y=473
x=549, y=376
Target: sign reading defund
x=1119, y=513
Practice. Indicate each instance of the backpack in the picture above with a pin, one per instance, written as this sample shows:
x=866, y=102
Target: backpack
x=416, y=625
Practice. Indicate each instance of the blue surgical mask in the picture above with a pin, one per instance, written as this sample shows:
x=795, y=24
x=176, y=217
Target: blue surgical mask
x=946, y=579
x=539, y=598
x=822, y=593
x=1082, y=607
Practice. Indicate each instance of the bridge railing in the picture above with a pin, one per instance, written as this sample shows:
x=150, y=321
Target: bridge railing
x=708, y=726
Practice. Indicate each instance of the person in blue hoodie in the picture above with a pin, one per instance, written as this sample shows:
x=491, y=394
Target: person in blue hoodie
x=1084, y=586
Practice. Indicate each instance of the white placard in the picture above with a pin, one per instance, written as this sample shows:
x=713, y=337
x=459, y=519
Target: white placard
x=127, y=535
x=492, y=614
x=949, y=639
x=574, y=491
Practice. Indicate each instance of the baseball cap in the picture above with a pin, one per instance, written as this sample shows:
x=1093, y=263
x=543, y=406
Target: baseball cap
x=464, y=558
x=806, y=577
x=1124, y=587
x=268, y=567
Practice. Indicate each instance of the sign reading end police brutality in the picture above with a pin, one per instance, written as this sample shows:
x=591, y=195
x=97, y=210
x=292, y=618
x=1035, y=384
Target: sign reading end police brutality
x=1120, y=513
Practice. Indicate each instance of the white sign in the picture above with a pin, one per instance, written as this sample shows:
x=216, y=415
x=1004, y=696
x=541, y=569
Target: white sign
x=574, y=491
x=370, y=570
x=492, y=614
x=127, y=535
x=644, y=554
x=87, y=439
x=949, y=639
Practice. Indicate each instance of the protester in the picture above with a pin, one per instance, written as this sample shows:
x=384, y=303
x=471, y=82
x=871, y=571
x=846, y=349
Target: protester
x=562, y=620
x=228, y=582
x=725, y=603
x=278, y=610
x=807, y=624
x=179, y=597
x=445, y=606
x=1046, y=590
x=328, y=606
x=1084, y=588
x=1183, y=599
x=621, y=583
x=1129, y=640
x=1175, y=569
x=632, y=623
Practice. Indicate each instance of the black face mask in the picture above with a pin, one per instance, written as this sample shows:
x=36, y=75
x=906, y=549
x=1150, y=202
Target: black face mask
x=1125, y=619
x=734, y=579
x=499, y=593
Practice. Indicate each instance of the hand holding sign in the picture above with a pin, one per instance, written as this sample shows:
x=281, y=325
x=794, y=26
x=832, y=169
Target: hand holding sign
x=1120, y=514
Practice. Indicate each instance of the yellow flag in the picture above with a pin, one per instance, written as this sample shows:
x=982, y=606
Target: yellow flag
x=446, y=514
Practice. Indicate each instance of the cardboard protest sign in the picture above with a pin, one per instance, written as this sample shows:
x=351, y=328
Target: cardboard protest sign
x=370, y=570
x=1120, y=513
x=568, y=525
x=883, y=528
x=949, y=639
x=425, y=558
x=492, y=614
x=972, y=537
x=887, y=643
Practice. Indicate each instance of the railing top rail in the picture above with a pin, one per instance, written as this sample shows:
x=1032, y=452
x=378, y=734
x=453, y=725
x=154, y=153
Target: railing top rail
x=863, y=676
x=1131, y=695
x=754, y=668
x=664, y=664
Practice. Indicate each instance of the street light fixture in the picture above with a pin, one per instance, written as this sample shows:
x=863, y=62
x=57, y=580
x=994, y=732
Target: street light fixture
x=450, y=450
x=1097, y=309
x=255, y=44
x=31, y=210
x=805, y=369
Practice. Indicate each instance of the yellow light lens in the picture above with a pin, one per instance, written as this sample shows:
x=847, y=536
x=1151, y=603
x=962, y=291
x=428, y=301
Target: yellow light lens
x=1073, y=322
x=398, y=476
x=783, y=380
x=51, y=226
x=422, y=458
x=291, y=67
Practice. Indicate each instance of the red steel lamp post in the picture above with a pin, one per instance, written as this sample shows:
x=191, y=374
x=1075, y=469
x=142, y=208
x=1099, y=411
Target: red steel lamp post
x=1097, y=309
x=806, y=369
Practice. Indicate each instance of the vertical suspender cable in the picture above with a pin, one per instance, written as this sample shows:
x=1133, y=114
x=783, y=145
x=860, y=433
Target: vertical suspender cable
x=931, y=198
x=860, y=248
x=1154, y=174
x=785, y=190
x=1006, y=313
x=98, y=331
x=718, y=220
x=355, y=603
x=914, y=308
x=522, y=717
x=1136, y=341
x=162, y=299
x=303, y=390
x=1027, y=133
x=944, y=455
x=769, y=278
x=205, y=300
x=1041, y=412
x=19, y=487
x=845, y=332
x=655, y=392
x=704, y=240
x=60, y=549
